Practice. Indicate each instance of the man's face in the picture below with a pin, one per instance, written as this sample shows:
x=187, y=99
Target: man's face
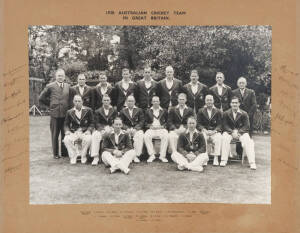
x=106, y=101
x=130, y=102
x=102, y=78
x=81, y=80
x=220, y=79
x=194, y=77
x=126, y=74
x=181, y=100
x=60, y=76
x=169, y=73
x=209, y=101
x=147, y=73
x=241, y=83
x=117, y=125
x=191, y=124
x=155, y=102
x=235, y=104
x=77, y=102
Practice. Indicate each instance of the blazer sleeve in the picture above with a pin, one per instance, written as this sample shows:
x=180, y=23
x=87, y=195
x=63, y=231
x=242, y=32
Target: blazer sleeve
x=92, y=122
x=200, y=125
x=67, y=122
x=246, y=124
x=114, y=96
x=202, y=144
x=106, y=144
x=171, y=125
x=72, y=93
x=253, y=102
x=225, y=125
x=123, y=117
x=219, y=121
x=128, y=144
x=165, y=116
x=180, y=145
x=44, y=97
x=141, y=118
x=147, y=120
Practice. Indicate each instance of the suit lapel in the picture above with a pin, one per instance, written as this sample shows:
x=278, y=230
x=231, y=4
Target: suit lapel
x=238, y=115
x=134, y=112
x=246, y=93
x=112, y=139
x=205, y=113
x=178, y=113
x=121, y=136
x=83, y=113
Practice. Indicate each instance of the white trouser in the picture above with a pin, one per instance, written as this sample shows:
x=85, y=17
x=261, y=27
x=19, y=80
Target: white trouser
x=72, y=150
x=247, y=144
x=183, y=161
x=95, y=147
x=217, y=139
x=125, y=160
x=138, y=142
x=173, y=139
x=163, y=135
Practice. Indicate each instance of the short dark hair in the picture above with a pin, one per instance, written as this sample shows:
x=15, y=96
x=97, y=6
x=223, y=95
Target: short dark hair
x=118, y=118
x=235, y=97
x=191, y=118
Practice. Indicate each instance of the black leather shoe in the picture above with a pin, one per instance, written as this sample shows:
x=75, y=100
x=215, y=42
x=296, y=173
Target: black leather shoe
x=56, y=156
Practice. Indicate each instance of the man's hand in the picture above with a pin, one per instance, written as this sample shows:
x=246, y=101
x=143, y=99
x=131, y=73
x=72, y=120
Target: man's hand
x=191, y=157
x=67, y=133
x=235, y=134
x=117, y=153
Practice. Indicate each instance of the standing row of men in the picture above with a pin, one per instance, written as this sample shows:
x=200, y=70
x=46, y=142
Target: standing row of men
x=145, y=105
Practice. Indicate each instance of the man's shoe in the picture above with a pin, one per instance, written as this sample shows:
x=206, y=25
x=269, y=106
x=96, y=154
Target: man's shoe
x=205, y=164
x=253, y=166
x=136, y=160
x=95, y=161
x=223, y=163
x=73, y=160
x=151, y=159
x=126, y=171
x=83, y=160
x=216, y=161
x=164, y=160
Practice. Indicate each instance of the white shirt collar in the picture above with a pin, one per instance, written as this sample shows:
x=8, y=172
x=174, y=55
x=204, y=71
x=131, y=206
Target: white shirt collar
x=195, y=84
x=238, y=111
x=195, y=131
x=178, y=106
x=132, y=108
x=121, y=132
x=223, y=85
x=59, y=84
x=79, y=110
x=205, y=106
x=147, y=81
x=80, y=86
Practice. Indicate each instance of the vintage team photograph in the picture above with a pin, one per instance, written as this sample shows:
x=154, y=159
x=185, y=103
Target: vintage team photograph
x=150, y=114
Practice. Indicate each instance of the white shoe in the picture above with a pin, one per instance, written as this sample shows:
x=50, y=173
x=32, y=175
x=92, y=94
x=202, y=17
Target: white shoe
x=216, y=161
x=223, y=163
x=180, y=167
x=151, y=159
x=253, y=166
x=113, y=169
x=123, y=169
x=95, y=161
x=136, y=160
x=205, y=164
x=126, y=171
x=164, y=160
x=83, y=160
x=73, y=160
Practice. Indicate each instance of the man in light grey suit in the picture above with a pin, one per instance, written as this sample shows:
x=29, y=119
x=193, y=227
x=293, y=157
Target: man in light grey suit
x=58, y=96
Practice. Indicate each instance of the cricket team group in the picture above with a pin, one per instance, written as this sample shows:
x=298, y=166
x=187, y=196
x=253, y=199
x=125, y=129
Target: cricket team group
x=113, y=122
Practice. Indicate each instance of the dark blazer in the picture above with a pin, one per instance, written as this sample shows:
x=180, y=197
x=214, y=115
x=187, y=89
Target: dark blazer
x=197, y=145
x=59, y=100
x=72, y=123
x=241, y=123
x=248, y=102
x=213, y=123
x=119, y=95
x=102, y=120
x=109, y=143
x=175, y=119
x=87, y=96
x=222, y=100
x=163, y=93
x=143, y=96
x=136, y=121
x=196, y=101
x=98, y=95
x=162, y=117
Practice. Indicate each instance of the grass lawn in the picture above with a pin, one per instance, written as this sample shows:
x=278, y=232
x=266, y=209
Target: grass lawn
x=57, y=182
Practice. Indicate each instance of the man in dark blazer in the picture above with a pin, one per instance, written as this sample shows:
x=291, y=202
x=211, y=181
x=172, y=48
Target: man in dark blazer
x=195, y=92
x=191, y=152
x=133, y=123
x=145, y=90
x=209, y=122
x=104, y=117
x=118, y=151
x=222, y=93
x=102, y=88
x=79, y=125
x=236, y=127
x=247, y=99
x=156, y=126
x=58, y=96
x=177, y=120
x=168, y=89
x=84, y=91
x=122, y=90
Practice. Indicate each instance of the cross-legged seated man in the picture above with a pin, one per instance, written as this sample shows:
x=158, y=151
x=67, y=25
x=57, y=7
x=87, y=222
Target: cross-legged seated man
x=133, y=124
x=177, y=120
x=191, y=153
x=156, y=122
x=236, y=126
x=118, y=151
x=104, y=117
x=209, y=122
x=79, y=124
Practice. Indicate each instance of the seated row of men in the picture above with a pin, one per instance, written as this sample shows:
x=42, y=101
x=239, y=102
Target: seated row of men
x=179, y=129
